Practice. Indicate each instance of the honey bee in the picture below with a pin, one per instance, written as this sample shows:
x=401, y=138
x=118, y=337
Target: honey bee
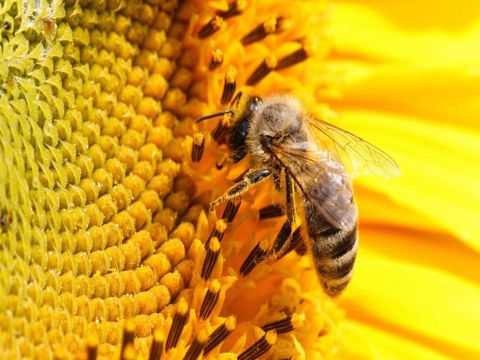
x=312, y=157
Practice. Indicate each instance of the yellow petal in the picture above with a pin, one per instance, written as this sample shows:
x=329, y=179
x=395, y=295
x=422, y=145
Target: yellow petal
x=438, y=164
x=434, y=94
x=362, y=341
x=421, y=32
x=419, y=289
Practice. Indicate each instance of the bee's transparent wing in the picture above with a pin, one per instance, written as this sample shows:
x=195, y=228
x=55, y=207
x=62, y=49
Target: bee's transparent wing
x=357, y=155
x=322, y=180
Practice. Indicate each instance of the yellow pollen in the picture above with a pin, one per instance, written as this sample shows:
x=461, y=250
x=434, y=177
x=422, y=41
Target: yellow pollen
x=231, y=75
x=271, y=62
x=215, y=286
x=270, y=25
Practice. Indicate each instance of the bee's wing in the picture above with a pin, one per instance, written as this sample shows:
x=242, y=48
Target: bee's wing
x=322, y=180
x=357, y=155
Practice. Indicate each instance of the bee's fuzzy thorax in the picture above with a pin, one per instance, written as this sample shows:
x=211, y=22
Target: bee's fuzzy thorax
x=277, y=116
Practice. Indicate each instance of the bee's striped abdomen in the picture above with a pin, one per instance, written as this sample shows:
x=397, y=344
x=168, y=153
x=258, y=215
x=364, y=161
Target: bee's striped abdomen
x=333, y=250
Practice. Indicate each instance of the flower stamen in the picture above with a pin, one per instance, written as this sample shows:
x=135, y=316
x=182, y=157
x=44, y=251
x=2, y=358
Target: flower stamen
x=257, y=253
x=211, y=27
x=197, y=346
x=292, y=59
x=272, y=25
x=218, y=231
x=220, y=334
x=286, y=324
x=262, y=70
x=229, y=86
x=92, y=347
x=210, y=300
x=271, y=211
x=220, y=130
x=231, y=210
x=128, y=335
x=198, y=147
x=296, y=243
x=234, y=8
x=157, y=345
x=178, y=323
x=213, y=252
x=216, y=60
x=259, y=347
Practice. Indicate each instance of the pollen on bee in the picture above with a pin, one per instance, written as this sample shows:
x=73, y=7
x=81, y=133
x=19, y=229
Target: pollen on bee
x=198, y=146
x=229, y=86
x=220, y=334
x=216, y=60
x=210, y=299
x=267, y=66
x=211, y=27
x=259, y=347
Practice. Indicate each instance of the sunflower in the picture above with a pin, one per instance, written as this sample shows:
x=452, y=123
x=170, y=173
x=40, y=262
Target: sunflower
x=107, y=247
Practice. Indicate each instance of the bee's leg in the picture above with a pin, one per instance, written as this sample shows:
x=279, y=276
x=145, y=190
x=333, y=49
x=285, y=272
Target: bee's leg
x=282, y=240
x=252, y=177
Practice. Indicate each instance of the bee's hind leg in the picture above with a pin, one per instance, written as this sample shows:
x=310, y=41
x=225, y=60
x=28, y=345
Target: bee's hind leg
x=285, y=241
x=251, y=177
x=284, y=238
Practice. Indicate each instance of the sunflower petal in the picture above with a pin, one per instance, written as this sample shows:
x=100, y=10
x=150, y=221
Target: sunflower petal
x=416, y=298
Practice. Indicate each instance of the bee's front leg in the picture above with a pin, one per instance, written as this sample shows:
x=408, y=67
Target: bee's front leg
x=251, y=177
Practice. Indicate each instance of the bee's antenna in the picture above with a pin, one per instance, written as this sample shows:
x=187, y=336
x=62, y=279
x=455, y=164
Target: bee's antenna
x=206, y=117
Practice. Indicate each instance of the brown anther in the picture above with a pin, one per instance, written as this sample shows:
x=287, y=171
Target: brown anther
x=262, y=70
x=210, y=299
x=272, y=25
x=234, y=8
x=220, y=130
x=92, y=347
x=259, y=347
x=229, y=85
x=213, y=252
x=198, y=147
x=271, y=211
x=197, y=346
x=286, y=324
x=220, y=334
x=218, y=231
x=178, y=323
x=216, y=60
x=211, y=27
x=296, y=243
x=157, y=345
x=255, y=257
x=128, y=334
x=231, y=210
x=292, y=59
